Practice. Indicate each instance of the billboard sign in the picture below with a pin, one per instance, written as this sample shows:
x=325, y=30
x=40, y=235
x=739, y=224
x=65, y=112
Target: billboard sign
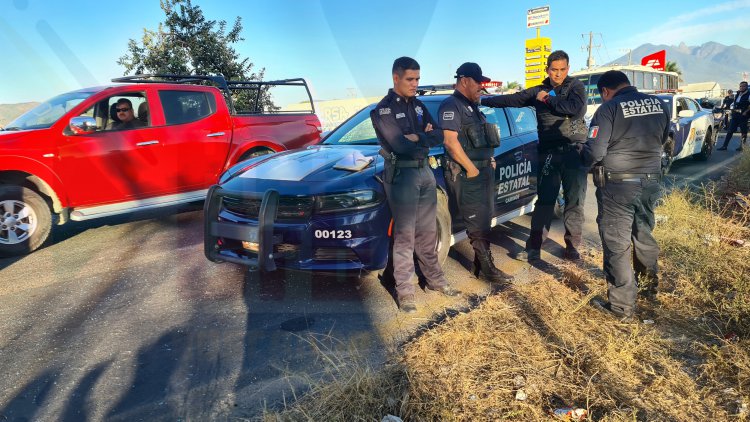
x=538, y=16
x=656, y=60
x=535, y=63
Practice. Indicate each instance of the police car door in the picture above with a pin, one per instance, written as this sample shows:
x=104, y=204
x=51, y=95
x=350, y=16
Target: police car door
x=515, y=173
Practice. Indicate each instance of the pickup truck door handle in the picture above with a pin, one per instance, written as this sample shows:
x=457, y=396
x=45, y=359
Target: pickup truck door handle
x=143, y=144
x=215, y=134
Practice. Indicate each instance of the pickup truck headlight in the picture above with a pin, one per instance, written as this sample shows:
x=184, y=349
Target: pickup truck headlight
x=348, y=201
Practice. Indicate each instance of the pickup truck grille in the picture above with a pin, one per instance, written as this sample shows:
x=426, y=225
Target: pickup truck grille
x=290, y=207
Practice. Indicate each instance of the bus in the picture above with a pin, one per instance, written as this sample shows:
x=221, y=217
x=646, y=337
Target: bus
x=646, y=79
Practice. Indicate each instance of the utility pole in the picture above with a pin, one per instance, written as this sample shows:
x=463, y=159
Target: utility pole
x=590, y=48
x=630, y=53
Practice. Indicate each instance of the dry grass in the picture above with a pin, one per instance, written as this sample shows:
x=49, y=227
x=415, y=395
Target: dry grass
x=692, y=363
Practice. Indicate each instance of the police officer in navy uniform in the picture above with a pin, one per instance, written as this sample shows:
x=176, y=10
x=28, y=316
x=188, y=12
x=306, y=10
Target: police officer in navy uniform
x=406, y=131
x=469, y=165
x=560, y=103
x=740, y=109
x=624, y=145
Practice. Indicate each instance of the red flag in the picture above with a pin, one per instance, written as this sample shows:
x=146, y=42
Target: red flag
x=657, y=60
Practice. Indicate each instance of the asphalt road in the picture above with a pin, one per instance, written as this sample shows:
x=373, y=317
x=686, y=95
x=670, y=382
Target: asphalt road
x=124, y=319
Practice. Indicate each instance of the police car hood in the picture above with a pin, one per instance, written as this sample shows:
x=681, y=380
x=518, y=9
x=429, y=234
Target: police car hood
x=315, y=164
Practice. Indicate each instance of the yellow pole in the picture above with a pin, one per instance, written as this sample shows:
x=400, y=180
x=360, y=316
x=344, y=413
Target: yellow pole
x=537, y=32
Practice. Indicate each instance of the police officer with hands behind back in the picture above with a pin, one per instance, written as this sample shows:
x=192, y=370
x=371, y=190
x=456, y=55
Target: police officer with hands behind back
x=560, y=103
x=469, y=165
x=406, y=132
x=625, y=142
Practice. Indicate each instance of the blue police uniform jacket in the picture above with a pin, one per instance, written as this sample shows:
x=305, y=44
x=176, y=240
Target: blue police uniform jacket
x=396, y=116
x=627, y=133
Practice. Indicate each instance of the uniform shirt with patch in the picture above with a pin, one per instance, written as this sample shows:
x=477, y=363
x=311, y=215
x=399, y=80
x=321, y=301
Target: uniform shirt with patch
x=395, y=116
x=456, y=111
x=627, y=133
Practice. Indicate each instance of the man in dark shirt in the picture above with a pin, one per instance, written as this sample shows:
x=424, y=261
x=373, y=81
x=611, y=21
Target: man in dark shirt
x=625, y=142
x=740, y=110
x=406, y=132
x=124, y=110
x=560, y=103
x=469, y=165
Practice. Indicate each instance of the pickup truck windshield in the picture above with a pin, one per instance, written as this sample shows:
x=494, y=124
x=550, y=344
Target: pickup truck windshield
x=47, y=113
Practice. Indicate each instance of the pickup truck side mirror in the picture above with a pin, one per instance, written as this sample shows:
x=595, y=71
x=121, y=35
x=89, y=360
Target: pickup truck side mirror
x=686, y=113
x=82, y=125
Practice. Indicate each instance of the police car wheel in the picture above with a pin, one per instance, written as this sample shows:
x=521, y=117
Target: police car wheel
x=667, y=157
x=443, y=244
x=25, y=220
x=708, y=147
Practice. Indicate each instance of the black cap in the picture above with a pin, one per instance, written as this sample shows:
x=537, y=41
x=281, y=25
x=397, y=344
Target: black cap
x=471, y=70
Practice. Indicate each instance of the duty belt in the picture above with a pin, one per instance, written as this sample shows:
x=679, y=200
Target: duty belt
x=478, y=163
x=633, y=177
x=411, y=163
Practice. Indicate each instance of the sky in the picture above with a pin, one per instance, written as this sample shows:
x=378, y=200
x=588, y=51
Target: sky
x=345, y=48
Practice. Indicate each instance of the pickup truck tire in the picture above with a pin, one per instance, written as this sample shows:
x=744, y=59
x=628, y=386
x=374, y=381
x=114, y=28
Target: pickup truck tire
x=443, y=220
x=256, y=152
x=25, y=220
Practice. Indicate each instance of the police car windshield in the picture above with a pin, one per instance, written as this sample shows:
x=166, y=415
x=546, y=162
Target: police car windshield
x=358, y=130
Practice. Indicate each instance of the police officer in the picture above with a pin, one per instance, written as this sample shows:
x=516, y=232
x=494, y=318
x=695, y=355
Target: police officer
x=624, y=143
x=406, y=132
x=560, y=103
x=469, y=165
x=740, y=114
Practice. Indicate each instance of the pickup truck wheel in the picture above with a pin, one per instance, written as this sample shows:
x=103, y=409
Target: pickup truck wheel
x=443, y=217
x=256, y=152
x=667, y=156
x=708, y=147
x=25, y=220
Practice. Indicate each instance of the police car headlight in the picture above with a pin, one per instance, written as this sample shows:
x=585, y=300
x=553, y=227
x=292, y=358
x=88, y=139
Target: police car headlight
x=348, y=201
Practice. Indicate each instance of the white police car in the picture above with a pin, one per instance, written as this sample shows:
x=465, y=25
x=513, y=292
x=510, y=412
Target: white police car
x=692, y=132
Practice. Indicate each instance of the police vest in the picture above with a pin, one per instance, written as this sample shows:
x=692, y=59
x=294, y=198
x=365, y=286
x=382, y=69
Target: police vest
x=556, y=129
x=478, y=140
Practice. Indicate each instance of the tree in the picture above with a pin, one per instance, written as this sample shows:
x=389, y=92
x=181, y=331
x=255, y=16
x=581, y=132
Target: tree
x=187, y=43
x=672, y=67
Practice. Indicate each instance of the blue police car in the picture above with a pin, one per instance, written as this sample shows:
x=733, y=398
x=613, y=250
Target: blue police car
x=323, y=208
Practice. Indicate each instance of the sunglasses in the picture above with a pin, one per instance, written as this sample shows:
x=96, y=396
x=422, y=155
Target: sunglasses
x=122, y=110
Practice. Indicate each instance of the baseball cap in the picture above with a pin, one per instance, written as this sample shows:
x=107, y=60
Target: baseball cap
x=471, y=70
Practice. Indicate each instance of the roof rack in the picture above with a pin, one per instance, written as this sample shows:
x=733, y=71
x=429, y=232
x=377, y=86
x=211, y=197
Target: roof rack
x=432, y=89
x=172, y=78
x=217, y=80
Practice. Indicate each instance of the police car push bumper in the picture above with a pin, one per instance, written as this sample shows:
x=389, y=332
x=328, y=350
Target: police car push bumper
x=261, y=235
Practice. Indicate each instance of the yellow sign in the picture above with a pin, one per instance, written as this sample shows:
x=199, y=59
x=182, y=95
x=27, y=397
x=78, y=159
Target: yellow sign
x=537, y=51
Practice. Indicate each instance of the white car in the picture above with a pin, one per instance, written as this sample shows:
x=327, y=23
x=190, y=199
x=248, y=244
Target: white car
x=691, y=133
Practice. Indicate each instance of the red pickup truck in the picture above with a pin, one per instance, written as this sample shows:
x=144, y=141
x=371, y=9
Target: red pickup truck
x=73, y=158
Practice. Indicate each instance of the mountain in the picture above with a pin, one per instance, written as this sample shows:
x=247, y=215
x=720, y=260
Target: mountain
x=711, y=61
x=8, y=112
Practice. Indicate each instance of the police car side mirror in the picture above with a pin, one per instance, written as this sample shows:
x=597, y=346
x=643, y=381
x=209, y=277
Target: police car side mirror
x=686, y=113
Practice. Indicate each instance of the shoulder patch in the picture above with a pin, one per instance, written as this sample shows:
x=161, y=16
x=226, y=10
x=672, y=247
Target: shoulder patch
x=447, y=115
x=383, y=111
x=593, y=131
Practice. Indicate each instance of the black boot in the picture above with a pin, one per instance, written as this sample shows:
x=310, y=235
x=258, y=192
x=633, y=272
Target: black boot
x=484, y=263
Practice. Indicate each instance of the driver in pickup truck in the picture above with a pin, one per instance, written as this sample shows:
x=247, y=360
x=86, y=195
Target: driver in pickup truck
x=124, y=110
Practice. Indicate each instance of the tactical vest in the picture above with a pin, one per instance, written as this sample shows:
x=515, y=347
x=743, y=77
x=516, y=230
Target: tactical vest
x=556, y=129
x=478, y=140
